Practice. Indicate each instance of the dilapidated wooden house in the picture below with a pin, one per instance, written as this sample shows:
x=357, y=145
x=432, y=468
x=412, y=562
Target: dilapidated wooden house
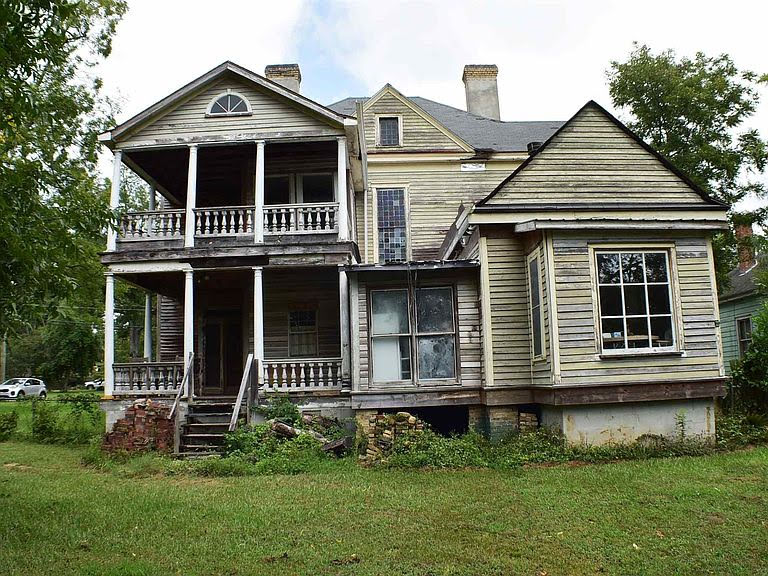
x=391, y=252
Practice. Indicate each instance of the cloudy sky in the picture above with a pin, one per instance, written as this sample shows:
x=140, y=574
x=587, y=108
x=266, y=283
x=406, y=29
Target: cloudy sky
x=552, y=55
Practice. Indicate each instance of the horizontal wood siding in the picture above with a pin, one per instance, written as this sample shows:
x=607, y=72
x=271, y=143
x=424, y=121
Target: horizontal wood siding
x=541, y=370
x=171, y=337
x=729, y=312
x=435, y=193
x=271, y=116
x=418, y=133
x=467, y=298
x=576, y=310
x=509, y=309
x=593, y=161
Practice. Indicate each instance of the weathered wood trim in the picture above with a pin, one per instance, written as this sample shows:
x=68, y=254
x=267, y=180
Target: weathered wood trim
x=716, y=305
x=554, y=325
x=620, y=217
x=354, y=296
x=485, y=310
x=608, y=224
x=456, y=396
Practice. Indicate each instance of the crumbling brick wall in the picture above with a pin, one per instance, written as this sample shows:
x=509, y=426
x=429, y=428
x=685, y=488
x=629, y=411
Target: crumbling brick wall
x=144, y=427
x=381, y=430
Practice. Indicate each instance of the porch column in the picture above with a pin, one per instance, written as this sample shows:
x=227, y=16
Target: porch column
x=114, y=198
x=258, y=217
x=148, y=326
x=189, y=226
x=189, y=326
x=258, y=314
x=341, y=180
x=109, y=335
x=344, y=325
x=152, y=199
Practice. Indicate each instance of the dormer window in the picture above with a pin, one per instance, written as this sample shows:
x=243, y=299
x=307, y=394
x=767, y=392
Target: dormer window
x=389, y=131
x=229, y=104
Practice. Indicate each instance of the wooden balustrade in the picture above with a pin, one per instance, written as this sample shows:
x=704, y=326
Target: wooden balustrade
x=301, y=374
x=154, y=225
x=301, y=218
x=224, y=221
x=159, y=378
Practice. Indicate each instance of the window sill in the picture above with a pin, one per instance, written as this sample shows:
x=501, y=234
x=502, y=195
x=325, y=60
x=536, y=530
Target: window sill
x=625, y=355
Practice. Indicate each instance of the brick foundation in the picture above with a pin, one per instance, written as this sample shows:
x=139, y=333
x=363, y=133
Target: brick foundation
x=381, y=430
x=144, y=427
x=502, y=420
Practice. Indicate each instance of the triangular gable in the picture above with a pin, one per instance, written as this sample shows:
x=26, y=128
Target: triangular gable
x=243, y=77
x=390, y=92
x=595, y=159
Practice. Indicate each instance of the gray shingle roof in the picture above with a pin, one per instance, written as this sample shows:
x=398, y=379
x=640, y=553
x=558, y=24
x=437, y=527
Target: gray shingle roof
x=479, y=132
x=741, y=283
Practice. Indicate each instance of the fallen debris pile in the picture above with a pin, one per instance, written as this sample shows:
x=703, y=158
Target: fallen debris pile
x=383, y=430
x=144, y=427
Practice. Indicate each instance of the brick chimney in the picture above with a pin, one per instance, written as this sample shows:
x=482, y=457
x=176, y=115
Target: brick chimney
x=287, y=75
x=482, y=91
x=743, y=234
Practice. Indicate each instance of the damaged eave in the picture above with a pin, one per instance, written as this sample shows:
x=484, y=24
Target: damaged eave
x=415, y=266
x=612, y=224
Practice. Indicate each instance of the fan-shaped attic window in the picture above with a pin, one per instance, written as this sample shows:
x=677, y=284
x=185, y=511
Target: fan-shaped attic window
x=229, y=104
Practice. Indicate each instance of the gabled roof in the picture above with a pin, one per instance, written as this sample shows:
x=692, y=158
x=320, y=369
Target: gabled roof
x=742, y=283
x=227, y=67
x=479, y=132
x=594, y=105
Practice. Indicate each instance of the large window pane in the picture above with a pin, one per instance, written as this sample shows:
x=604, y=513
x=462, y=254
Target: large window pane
x=608, y=268
x=437, y=357
x=277, y=190
x=389, y=312
x=613, y=333
x=634, y=300
x=661, y=331
x=610, y=300
x=632, y=268
x=637, y=332
x=658, y=299
x=434, y=309
x=317, y=188
x=391, y=358
x=656, y=267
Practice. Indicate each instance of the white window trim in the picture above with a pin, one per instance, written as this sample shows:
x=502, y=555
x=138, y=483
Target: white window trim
x=373, y=336
x=675, y=307
x=231, y=92
x=535, y=255
x=375, y=217
x=399, y=129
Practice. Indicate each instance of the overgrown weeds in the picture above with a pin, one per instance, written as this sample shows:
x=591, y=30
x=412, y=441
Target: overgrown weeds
x=8, y=423
x=75, y=419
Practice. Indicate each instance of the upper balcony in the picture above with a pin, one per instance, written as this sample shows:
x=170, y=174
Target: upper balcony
x=235, y=195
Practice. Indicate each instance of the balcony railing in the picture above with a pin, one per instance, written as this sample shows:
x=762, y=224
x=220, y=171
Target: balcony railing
x=160, y=378
x=301, y=218
x=224, y=221
x=155, y=225
x=301, y=375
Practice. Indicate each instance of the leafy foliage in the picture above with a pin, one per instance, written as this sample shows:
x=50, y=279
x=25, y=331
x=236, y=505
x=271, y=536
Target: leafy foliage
x=66, y=422
x=8, y=423
x=281, y=408
x=750, y=373
x=693, y=111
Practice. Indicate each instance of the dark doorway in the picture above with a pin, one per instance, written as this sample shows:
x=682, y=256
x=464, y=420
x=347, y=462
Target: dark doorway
x=223, y=355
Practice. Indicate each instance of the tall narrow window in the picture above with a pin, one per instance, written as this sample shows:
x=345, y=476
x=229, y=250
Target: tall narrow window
x=435, y=333
x=537, y=324
x=635, y=300
x=390, y=335
x=302, y=334
x=744, y=332
x=389, y=131
x=390, y=205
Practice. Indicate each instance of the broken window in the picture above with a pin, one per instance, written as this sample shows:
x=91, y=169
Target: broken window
x=433, y=338
x=635, y=300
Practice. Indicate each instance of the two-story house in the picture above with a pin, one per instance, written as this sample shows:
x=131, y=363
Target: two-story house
x=392, y=252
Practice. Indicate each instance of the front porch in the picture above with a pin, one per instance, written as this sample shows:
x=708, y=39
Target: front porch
x=292, y=320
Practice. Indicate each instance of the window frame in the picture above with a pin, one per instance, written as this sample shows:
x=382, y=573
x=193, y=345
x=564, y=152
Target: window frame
x=534, y=255
x=315, y=332
x=291, y=187
x=672, y=281
x=299, y=186
x=228, y=92
x=413, y=336
x=399, y=118
x=739, y=339
x=375, y=215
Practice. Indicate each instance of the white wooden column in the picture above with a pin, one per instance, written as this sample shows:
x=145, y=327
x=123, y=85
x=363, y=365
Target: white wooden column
x=189, y=326
x=344, y=324
x=342, y=194
x=189, y=228
x=258, y=217
x=258, y=314
x=109, y=335
x=114, y=198
x=148, y=326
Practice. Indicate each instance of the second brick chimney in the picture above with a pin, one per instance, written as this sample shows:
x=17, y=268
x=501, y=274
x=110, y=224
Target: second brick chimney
x=482, y=91
x=287, y=75
x=743, y=234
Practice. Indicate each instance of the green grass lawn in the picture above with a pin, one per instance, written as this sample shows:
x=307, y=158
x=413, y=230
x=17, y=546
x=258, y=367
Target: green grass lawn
x=706, y=515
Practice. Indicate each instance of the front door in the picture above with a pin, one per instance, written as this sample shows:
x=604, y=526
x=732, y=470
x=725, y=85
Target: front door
x=223, y=353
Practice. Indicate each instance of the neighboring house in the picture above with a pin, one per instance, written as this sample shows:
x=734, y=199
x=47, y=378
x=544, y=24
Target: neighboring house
x=739, y=304
x=395, y=253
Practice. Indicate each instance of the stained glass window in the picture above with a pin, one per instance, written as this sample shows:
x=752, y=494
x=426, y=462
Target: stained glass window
x=393, y=242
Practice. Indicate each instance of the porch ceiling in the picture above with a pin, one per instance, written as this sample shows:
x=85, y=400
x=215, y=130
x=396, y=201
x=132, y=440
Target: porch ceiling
x=170, y=284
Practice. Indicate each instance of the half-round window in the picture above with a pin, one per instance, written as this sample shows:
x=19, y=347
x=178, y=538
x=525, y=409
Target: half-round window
x=229, y=103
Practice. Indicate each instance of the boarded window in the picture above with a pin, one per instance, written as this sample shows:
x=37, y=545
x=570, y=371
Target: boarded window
x=229, y=104
x=635, y=300
x=389, y=131
x=393, y=242
x=537, y=324
x=302, y=334
x=744, y=331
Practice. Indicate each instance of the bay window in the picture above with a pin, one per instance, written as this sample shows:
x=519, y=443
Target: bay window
x=413, y=328
x=635, y=300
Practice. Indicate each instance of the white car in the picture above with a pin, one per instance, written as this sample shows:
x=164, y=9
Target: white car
x=97, y=384
x=16, y=388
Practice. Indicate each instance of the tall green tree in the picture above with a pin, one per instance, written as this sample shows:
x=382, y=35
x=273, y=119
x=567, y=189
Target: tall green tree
x=694, y=111
x=53, y=206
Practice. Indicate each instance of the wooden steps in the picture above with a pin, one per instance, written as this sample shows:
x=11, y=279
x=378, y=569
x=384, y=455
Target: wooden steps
x=203, y=431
